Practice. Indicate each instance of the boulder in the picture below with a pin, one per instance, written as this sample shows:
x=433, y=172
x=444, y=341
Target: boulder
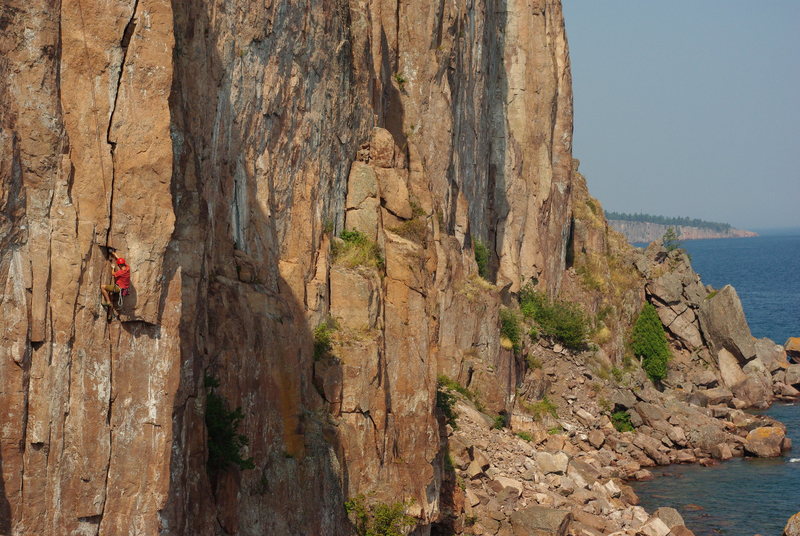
x=596, y=438
x=792, y=348
x=717, y=395
x=505, y=483
x=552, y=463
x=792, y=376
x=772, y=355
x=654, y=527
x=680, y=531
x=582, y=473
x=729, y=369
x=724, y=326
x=540, y=521
x=681, y=321
x=669, y=516
x=721, y=452
x=623, y=398
x=792, y=527
x=764, y=442
x=705, y=378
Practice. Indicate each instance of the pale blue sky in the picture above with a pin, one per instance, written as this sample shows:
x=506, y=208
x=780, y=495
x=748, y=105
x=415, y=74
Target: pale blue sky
x=689, y=107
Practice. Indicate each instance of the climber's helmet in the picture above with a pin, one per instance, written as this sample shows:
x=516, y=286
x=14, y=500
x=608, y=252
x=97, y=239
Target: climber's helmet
x=120, y=261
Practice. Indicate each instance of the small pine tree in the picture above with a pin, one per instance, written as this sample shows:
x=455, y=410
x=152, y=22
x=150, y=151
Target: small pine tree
x=649, y=343
x=670, y=240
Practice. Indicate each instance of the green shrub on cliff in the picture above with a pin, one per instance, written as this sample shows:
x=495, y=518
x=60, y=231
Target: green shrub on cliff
x=510, y=329
x=378, y=519
x=649, y=343
x=356, y=249
x=224, y=440
x=622, y=421
x=560, y=321
x=481, y=258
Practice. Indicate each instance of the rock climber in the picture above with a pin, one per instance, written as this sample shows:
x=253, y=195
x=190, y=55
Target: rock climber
x=122, y=280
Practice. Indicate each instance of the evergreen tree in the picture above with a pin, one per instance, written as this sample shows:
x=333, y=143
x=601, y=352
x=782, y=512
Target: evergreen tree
x=670, y=239
x=649, y=343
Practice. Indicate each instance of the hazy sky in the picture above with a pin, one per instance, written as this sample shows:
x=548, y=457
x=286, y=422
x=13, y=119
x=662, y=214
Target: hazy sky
x=689, y=107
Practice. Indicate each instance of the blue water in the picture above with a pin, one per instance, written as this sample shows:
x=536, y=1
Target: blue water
x=743, y=497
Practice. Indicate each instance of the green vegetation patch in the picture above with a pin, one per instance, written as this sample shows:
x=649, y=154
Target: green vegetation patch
x=622, y=421
x=540, y=408
x=481, y=258
x=378, y=519
x=561, y=321
x=671, y=240
x=323, y=339
x=224, y=441
x=356, y=249
x=649, y=343
x=525, y=435
x=510, y=328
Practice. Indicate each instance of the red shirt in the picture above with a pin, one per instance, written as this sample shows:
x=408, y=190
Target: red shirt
x=122, y=277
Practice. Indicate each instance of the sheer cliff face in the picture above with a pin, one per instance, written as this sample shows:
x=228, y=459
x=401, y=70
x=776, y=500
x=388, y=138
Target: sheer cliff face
x=220, y=146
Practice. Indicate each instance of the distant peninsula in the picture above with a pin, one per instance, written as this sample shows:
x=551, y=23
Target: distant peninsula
x=648, y=227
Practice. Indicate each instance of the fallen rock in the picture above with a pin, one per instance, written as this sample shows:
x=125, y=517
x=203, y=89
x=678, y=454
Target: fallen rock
x=792, y=375
x=717, y=395
x=669, y=516
x=729, y=369
x=721, y=452
x=792, y=348
x=764, y=442
x=552, y=463
x=772, y=355
x=540, y=521
x=723, y=324
x=596, y=438
x=654, y=527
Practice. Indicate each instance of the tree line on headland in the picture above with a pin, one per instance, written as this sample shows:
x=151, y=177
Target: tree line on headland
x=667, y=220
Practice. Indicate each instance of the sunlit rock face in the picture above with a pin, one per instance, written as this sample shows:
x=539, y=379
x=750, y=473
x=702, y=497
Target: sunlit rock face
x=221, y=147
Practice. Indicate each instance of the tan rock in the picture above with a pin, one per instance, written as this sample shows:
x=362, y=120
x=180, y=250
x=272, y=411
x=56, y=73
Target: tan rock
x=394, y=192
x=764, y=442
x=552, y=463
x=792, y=527
x=654, y=527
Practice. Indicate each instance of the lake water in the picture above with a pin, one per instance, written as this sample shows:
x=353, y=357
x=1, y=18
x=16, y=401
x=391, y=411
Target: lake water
x=743, y=497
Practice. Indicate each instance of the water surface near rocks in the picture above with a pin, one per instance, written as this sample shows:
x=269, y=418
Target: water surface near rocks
x=743, y=497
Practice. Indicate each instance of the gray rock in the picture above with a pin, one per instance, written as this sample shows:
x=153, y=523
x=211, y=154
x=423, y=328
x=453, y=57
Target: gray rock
x=772, y=355
x=624, y=398
x=724, y=326
x=582, y=473
x=669, y=516
x=729, y=369
x=717, y=395
x=792, y=376
x=540, y=521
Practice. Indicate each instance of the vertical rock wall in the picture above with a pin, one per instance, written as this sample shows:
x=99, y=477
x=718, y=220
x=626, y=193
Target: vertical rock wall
x=217, y=144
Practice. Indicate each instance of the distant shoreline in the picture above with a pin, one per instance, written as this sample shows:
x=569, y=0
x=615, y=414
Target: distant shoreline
x=638, y=231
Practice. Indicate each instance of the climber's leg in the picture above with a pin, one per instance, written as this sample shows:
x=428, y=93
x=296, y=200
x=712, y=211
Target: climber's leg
x=107, y=290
